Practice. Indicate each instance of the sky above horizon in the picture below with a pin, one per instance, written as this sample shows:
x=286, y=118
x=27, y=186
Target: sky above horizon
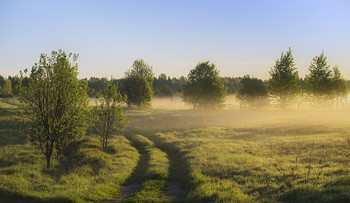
x=239, y=37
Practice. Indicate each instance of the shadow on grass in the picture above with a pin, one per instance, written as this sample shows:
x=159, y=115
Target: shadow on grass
x=72, y=157
x=8, y=196
x=335, y=191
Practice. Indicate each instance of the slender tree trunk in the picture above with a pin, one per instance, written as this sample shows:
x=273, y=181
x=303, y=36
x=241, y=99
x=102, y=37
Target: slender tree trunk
x=104, y=145
x=48, y=161
x=49, y=150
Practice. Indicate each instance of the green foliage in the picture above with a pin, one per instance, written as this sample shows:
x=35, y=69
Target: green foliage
x=340, y=87
x=164, y=86
x=95, y=85
x=55, y=103
x=108, y=114
x=138, y=90
x=284, y=81
x=2, y=81
x=6, y=90
x=233, y=84
x=138, y=83
x=204, y=88
x=140, y=68
x=253, y=92
x=319, y=84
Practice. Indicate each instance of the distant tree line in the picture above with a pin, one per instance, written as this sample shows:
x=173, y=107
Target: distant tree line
x=163, y=85
x=322, y=86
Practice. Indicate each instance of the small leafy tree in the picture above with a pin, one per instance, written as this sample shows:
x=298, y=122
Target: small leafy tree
x=108, y=114
x=138, y=83
x=253, y=92
x=138, y=91
x=319, y=81
x=55, y=103
x=204, y=88
x=6, y=90
x=284, y=81
x=340, y=87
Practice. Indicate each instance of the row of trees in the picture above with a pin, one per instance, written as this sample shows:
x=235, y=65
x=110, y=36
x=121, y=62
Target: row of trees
x=163, y=85
x=320, y=87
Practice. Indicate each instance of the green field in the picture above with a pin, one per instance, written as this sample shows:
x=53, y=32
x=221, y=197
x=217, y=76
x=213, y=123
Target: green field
x=171, y=153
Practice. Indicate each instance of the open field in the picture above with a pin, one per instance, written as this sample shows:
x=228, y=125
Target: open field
x=173, y=153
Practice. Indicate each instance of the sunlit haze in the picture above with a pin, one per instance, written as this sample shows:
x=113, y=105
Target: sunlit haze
x=240, y=37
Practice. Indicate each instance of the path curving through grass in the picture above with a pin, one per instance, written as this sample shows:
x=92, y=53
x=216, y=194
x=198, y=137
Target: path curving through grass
x=149, y=179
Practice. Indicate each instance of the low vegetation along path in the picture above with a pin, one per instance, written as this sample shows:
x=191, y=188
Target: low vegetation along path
x=155, y=178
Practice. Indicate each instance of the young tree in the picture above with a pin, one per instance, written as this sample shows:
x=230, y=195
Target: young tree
x=340, y=88
x=6, y=90
x=204, y=88
x=55, y=102
x=319, y=80
x=108, y=114
x=138, y=83
x=253, y=92
x=138, y=90
x=284, y=81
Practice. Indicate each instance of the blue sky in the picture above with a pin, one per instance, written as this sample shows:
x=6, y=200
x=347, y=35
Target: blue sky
x=240, y=37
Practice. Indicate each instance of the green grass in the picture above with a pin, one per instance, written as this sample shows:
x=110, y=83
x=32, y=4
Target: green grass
x=215, y=155
x=256, y=156
x=84, y=174
x=154, y=173
x=270, y=164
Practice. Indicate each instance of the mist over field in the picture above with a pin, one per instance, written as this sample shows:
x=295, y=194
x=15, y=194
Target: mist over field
x=232, y=115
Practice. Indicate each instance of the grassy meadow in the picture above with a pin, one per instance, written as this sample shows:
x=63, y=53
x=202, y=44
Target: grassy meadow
x=171, y=153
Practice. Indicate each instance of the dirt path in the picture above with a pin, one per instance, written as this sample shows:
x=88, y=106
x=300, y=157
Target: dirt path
x=173, y=188
x=178, y=179
x=132, y=184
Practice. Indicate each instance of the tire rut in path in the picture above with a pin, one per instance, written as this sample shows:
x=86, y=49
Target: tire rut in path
x=153, y=165
x=132, y=184
x=179, y=178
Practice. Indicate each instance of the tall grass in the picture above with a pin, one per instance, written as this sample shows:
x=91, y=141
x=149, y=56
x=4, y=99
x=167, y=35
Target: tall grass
x=265, y=164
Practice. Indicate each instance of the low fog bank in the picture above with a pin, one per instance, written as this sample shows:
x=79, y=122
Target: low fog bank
x=231, y=103
x=169, y=114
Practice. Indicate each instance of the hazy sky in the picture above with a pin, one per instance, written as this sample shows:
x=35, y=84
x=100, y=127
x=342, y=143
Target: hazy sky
x=240, y=37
